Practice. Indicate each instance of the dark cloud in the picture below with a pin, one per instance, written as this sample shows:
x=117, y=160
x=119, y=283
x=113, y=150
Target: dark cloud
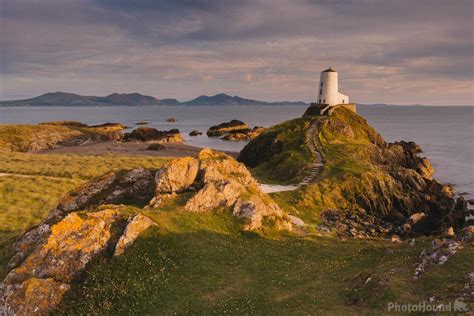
x=262, y=49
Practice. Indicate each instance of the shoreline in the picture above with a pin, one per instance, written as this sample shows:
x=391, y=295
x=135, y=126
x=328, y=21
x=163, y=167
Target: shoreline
x=128, y=149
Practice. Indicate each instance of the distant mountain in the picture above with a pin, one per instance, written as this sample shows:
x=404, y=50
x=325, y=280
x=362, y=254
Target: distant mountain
x=225, y=99
x=70, y=99
x=133, y=99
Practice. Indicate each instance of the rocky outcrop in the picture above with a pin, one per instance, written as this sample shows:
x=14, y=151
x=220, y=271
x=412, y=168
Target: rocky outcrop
x=38, y=284
x=177, y=175
x=225, y=183
x=50, y=135
x=243, y=134
x=171, y=120
x=135, y=227
x=149, y=134
x=224, y=128
x=195, y=133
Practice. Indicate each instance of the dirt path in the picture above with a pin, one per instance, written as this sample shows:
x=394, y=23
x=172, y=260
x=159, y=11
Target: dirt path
x=319, y=164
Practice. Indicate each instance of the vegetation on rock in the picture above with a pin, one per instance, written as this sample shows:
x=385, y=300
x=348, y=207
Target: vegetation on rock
x=363, y=178
x=150, y=134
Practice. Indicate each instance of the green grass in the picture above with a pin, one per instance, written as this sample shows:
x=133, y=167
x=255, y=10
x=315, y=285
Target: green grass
x=41, y=181
x=72, y=166
x=202, y=264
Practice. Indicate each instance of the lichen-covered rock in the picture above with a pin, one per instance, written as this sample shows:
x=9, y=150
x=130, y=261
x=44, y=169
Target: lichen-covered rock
x=243, y=134
x=226, y=183
x=134, y=186
x=32, y=297
x=136, y=225
x=150, y=134
x=176, y=175
x=43, y=277
x=253, y=211
x=217, y=166
x=215, y=194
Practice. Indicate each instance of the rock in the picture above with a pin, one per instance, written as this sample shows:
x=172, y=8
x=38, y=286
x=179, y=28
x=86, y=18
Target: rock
x=396, y=239
x=471, y=201
x=253, y=210
x=416, y=217
x=136, y=225
x=171, y=120
x=176, y=175
x=65, y=123
x=156, y=147
x=467, y=233
x=243, y=134
x=296, y=221
x=195, y=133
x=32, y=296
x=226, y=183
x=136, y=186
x=441, y=250
x=118, y=126
x=141, y=123
x=450, y=232
x=215, y=194
x=149, y=134
x=224, y=128
x=44, y=276
x=409, y=146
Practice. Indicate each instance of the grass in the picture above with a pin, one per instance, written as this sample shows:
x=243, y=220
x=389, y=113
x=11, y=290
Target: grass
x=290, y=163
x=72, y=166
x=202, y=264
x=41, y=180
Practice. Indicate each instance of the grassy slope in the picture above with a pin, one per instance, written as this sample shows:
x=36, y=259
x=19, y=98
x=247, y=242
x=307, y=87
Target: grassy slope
x=291, y=163
x=202, y=264
x=20, y=137
x=347, y=168
x=26, y=200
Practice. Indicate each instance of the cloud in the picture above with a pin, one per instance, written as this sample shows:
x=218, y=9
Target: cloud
x=270, y=50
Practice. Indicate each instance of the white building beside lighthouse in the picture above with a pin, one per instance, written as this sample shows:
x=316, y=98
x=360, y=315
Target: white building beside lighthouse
x=329, y=89
x=329, y=98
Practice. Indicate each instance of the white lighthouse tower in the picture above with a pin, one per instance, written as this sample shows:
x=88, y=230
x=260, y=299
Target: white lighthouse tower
x=329, y=89
x=329, y=98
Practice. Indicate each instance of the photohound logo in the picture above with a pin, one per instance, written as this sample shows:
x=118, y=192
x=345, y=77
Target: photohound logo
x=458, y=306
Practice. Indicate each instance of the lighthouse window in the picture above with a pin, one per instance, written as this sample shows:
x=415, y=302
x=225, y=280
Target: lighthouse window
x=321, y=84
x=320, y=91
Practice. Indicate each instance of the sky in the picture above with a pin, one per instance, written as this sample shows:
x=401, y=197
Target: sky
x=386, y=51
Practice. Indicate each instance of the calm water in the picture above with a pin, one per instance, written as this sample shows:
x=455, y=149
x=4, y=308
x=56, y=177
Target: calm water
x=446, y=134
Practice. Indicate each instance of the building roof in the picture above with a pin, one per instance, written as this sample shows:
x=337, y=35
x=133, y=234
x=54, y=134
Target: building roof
x=329, y=70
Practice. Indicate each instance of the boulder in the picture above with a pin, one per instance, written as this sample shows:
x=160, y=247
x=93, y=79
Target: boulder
x=176, y=175
x=136, y=186
x=135, y=227
x=226, y=127
x=226, y=183
x=171, y=120
x=243, y=134
x=195, y=133
x=156, y=147
x=39, y=283
x=149, y=134
x=215, y=194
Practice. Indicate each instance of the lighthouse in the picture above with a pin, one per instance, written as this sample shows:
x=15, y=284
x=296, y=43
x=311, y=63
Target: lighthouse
x=329, y=98
x=329, y=89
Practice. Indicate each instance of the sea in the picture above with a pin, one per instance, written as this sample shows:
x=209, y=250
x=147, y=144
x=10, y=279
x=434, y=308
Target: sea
x=445, y=133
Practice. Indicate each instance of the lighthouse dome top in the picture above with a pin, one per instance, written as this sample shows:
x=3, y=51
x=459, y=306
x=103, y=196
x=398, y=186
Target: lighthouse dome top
x=329, y=70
